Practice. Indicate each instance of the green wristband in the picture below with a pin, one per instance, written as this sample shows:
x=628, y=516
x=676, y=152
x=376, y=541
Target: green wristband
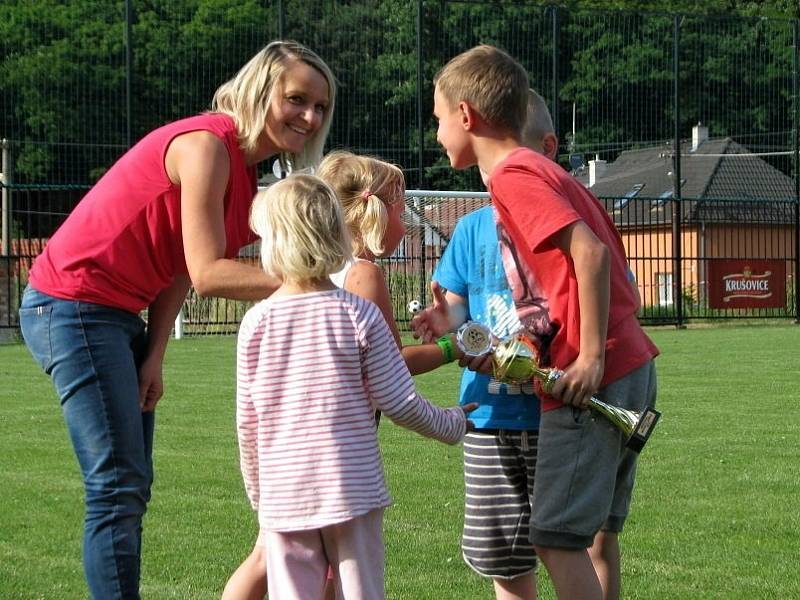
x=446, y=345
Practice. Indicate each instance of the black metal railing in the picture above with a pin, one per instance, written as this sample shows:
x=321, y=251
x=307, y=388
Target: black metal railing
x=79, y=85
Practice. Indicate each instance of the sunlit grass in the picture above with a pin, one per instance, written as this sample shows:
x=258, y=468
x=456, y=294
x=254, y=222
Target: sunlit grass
x=715, y=512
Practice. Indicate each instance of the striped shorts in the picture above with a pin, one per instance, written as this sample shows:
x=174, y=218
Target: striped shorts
x=499, y=467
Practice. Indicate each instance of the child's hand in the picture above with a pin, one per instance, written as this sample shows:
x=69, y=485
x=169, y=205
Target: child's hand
x=479, y=364
x=579, y=382
x=433, y=321
x=468, y=408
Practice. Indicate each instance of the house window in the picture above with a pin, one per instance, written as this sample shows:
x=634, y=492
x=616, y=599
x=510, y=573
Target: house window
x=621, y=203
x=665, y=196
x=663, y=199
x=664, y=282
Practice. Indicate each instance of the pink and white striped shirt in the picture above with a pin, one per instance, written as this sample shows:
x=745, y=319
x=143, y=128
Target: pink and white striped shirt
x=311, y=370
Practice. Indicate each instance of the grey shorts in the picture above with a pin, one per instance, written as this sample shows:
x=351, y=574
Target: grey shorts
x=584, y=472
x=499, y=468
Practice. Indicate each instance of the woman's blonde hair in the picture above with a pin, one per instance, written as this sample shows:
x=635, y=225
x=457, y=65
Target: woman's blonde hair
x=365, y=186
x=247, y=97
x=302, y=229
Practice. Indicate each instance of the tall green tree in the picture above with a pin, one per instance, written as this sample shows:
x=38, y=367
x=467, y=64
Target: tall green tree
x=63, y=77
x=60, y=76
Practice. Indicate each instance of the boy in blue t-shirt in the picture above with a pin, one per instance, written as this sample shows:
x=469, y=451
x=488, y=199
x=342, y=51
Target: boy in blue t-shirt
x=500, y=454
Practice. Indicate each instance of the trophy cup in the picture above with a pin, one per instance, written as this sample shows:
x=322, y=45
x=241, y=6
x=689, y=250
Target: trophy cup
x=515, y=360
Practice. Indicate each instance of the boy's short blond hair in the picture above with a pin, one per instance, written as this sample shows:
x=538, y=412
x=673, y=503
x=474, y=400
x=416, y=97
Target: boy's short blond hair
x=365, y=187
x=491, y=82
x=247, y=96
x=302, y=229
x=538, y=121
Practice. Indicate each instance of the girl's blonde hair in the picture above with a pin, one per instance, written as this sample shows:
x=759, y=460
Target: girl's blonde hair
x=247, y=96
x=302, y=229
x=365, y=186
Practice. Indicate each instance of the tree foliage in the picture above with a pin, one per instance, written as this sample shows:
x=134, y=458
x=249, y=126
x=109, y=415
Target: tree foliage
x=64, y=79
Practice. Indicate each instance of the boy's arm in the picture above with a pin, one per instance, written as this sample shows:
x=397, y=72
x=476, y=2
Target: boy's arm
x=590, y=258
x=457, y=309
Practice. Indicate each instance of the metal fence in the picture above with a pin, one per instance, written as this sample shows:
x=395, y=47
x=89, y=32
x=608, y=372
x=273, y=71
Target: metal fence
x=80, y=84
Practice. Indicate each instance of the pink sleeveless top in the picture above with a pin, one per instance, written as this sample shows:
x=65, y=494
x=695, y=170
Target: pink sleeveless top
x=122, y=244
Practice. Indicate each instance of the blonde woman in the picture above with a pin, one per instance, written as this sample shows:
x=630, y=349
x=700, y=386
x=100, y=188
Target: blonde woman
x=308, y=445
x=172, y=212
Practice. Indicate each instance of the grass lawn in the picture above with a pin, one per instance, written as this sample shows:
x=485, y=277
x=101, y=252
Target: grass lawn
x=715, y=513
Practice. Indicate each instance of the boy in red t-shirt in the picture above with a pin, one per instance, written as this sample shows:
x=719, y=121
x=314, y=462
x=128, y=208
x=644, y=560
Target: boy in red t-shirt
x=568, y=274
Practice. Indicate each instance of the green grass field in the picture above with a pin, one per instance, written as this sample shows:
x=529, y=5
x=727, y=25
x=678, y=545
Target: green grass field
x=715, y=513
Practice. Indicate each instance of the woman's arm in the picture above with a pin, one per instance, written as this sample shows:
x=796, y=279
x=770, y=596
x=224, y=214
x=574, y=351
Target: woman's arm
x=366, y=279
x=160, y=319
x=199, y=163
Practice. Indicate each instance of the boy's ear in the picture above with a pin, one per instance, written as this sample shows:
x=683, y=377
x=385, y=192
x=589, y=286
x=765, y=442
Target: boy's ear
x=469, y=116
x=550, y=146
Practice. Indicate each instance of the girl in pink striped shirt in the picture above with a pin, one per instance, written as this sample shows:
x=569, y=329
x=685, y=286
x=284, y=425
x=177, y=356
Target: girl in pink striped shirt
x=314, y=362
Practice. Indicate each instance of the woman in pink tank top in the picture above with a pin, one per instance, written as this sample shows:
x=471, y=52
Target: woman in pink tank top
x=170, y=213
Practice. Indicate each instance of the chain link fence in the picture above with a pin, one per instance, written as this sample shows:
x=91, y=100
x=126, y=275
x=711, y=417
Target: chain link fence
x=82, y=81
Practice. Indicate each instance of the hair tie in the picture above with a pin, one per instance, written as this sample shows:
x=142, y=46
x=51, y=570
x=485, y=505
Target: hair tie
x=366, y=194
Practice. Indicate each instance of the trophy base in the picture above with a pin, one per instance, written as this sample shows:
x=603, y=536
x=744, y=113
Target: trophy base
x=644, y=428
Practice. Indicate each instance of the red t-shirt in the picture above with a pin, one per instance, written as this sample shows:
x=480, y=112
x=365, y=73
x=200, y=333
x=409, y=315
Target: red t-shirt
x=122, y=244
x=535, y=199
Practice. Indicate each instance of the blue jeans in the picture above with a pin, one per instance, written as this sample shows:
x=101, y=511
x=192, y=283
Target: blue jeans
x=91, y=352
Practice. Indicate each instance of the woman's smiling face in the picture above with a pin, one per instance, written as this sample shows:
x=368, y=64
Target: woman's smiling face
x=297, y=108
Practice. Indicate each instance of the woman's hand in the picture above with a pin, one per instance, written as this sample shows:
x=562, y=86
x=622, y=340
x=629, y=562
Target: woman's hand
x=151, y=383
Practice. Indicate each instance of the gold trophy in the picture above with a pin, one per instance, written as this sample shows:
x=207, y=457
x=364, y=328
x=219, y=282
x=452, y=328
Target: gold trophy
x=515, y=360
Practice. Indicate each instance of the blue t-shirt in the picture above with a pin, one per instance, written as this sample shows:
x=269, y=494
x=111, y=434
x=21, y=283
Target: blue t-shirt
x=472, y=267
